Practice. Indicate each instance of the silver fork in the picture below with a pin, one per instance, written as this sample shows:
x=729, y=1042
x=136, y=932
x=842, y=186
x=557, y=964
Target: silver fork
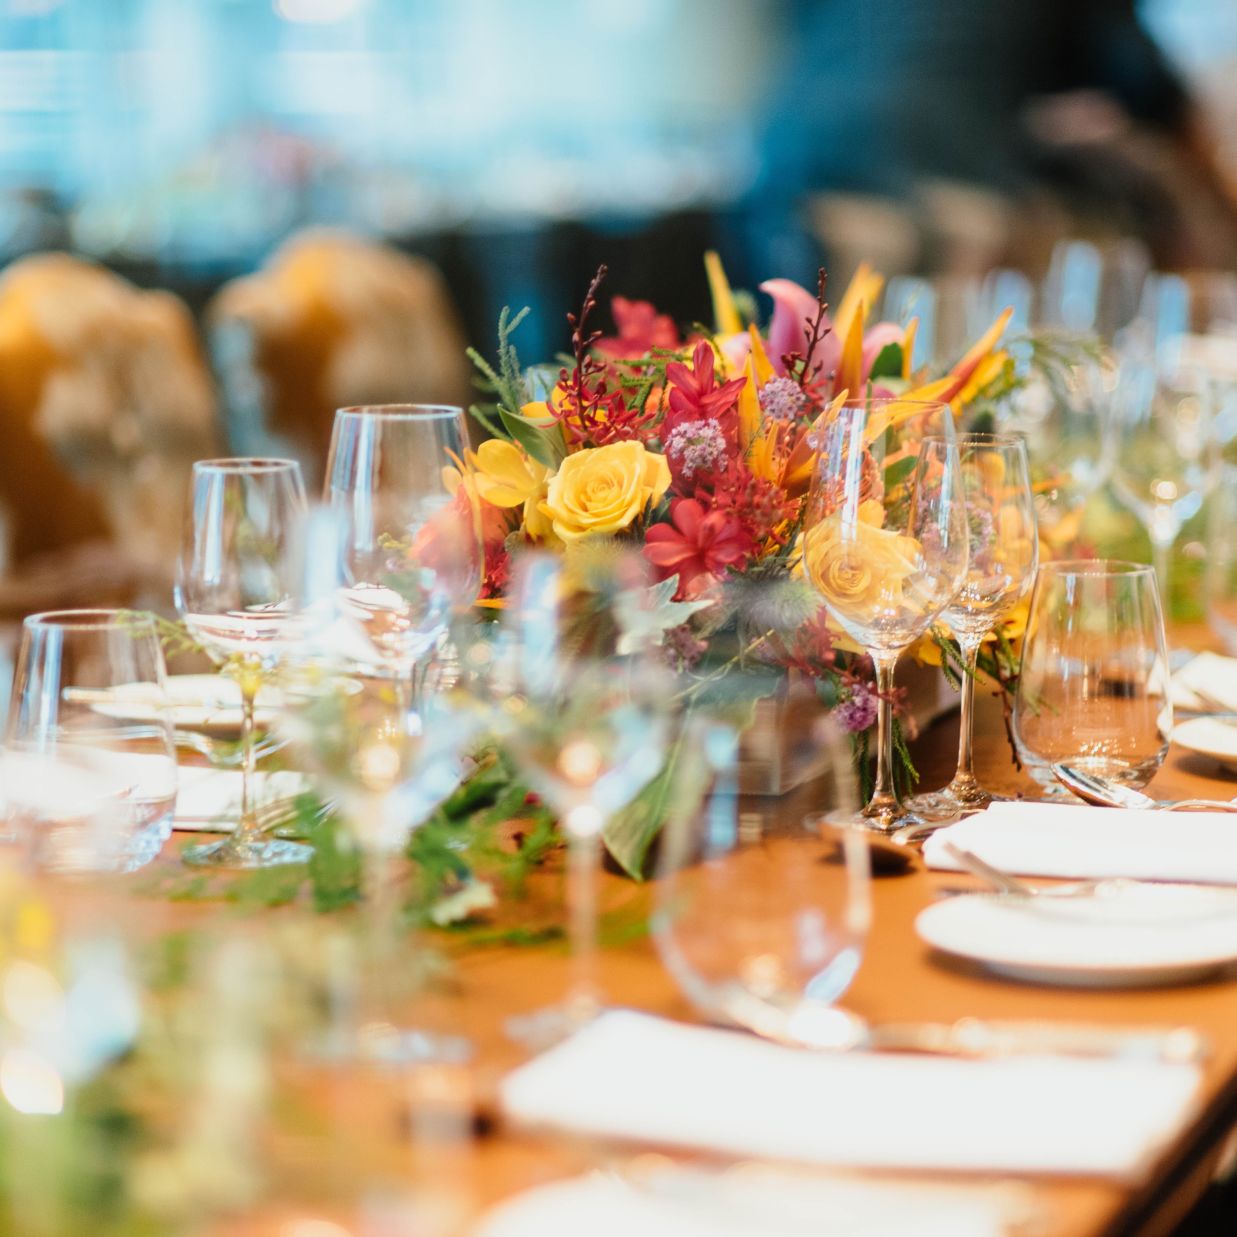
x=1006, y=882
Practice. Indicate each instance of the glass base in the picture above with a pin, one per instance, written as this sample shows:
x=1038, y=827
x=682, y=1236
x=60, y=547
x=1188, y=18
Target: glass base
x=234, y=853
x=884, y=825
x=382, y=1043
x=543, y=1028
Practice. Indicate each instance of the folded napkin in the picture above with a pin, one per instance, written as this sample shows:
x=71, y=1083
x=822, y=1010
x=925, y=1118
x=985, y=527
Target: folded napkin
x=1081, y=842
x=205, y=796
x=1209, y=673
x=764, y=1203
x=634, y=1077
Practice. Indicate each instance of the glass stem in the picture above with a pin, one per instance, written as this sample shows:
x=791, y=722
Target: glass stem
x=246, y=830
x=380, y=911
x=583, y=860
x=884, y=806
x=965, y=775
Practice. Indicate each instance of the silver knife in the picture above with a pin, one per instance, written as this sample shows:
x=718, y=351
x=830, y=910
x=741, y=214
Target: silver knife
x=977, y=1037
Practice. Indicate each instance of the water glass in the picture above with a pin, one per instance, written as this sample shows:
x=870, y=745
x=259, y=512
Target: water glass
x=86, y=788
x=762, y=923
x=1094, y=688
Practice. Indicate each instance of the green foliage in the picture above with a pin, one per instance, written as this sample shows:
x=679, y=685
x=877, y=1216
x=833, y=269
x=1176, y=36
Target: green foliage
x=506, y=383
x=888, y=363
x=546, y=446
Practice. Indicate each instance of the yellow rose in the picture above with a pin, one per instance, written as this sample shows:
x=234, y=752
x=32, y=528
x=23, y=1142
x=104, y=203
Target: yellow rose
x=857, y=566
x=506, y=475
x=604, y=489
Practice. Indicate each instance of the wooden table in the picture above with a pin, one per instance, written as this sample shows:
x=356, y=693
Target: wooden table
x=898, y=980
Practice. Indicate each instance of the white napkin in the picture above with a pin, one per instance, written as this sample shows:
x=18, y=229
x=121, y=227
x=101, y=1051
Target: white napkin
x=632, y=1076
x=1082, y=842
x=765, y=1203
x=206, y=796
x=1208, y=672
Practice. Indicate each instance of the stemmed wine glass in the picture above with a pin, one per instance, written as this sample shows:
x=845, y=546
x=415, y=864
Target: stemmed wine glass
x=414, y=553
x=885, y=545
x=1166, y=452
x=349, y=727
x=585, y=710
x=996, y=491
x=236, y=590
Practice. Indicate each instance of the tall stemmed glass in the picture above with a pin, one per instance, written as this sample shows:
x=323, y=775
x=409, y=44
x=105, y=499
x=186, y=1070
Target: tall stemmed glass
x=414, y=554
x=1166, y=453
x=1000, y=513
x=885, y=544
x=236, y=590
x=586, y=712
x=349, y=727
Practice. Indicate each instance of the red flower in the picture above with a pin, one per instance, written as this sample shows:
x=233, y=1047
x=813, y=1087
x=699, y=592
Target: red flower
x=696, y=543
x=640, y=329
x=695, y=395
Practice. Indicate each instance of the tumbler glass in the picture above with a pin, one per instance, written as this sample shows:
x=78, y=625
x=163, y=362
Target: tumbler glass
x=1094, y=688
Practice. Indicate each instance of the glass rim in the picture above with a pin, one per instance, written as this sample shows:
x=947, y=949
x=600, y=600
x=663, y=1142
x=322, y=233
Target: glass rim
x=95, y=618
x=978, y=438
x=881, y=401
x=401, y=412
x=1097, y=567
x=246, y=464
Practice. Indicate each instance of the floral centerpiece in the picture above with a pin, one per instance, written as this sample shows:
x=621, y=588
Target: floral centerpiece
x=700, y=449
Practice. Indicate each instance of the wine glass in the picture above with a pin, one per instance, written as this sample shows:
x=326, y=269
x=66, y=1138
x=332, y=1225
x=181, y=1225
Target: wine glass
x=1063, y=412
x=996, y=490
x=235, y=589
x=88, y=773
x=1221, y=576
x=1094, y=686
x=885, y=545
x=761, y=922
x=585, y=711
x=414, y=556
x=1166, y=454
x=350, y=729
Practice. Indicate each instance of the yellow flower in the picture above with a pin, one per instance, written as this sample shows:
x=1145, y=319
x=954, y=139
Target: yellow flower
x=857, y=566
x=604, y=489
x=506, y=475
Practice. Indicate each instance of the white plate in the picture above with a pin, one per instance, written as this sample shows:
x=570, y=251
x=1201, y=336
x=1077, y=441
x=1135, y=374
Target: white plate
x=197, y=702
x=1209, y=737
x=1131, y=935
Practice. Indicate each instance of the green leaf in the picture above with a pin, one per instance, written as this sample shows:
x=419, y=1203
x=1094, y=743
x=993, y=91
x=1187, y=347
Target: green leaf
x=546, y=446
x=888, y=363
x=675, y=792
x=899, y=471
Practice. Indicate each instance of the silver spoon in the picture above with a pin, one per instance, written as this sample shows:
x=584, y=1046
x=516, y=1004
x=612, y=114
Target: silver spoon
x=1102, y=792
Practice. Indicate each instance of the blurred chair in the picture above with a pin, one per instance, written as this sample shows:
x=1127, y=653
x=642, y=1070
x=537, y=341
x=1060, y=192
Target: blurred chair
x=105, y=401
x=331, y=320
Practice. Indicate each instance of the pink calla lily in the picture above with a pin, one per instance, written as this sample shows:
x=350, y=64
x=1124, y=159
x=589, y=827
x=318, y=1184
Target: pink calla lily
x=794, y=310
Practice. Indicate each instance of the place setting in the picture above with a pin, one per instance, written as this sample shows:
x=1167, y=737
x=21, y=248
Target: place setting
x=526, y=688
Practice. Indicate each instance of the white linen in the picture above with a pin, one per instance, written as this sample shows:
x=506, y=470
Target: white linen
x=635, y=1077
x=1082, y=842
x=209, y=795
x=1210, y=673
x=766, y=1203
